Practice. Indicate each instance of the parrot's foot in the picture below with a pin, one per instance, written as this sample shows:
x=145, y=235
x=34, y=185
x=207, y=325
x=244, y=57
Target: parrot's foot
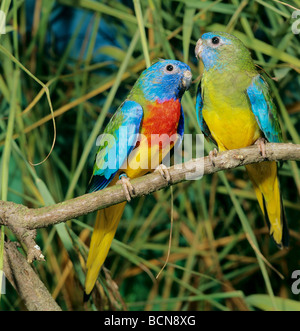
x=164, y=171
x=212, y=155
x=127, y=187
x=261, y=143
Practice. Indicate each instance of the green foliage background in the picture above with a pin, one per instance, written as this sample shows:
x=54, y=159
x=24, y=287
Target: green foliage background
x=212, y=265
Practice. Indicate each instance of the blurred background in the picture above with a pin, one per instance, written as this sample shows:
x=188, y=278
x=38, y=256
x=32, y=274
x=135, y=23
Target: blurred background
x=76, y=61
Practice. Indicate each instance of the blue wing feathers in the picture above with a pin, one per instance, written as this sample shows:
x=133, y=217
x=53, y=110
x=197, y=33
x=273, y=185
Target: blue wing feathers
x=98, y=183
x=264, y=109
x=118, y=140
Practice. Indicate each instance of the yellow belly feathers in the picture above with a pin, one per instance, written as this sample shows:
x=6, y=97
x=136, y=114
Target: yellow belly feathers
x=231, y=125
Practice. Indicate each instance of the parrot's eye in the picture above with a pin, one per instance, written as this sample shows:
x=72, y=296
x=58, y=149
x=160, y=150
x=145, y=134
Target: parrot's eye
x=215, y=40
x=169, y=67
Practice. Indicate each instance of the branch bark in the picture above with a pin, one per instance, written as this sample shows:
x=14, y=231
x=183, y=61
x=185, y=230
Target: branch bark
x=20, y=217
x=27, y=283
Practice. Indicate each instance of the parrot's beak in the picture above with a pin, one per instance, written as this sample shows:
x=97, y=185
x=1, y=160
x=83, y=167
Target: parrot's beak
x=187, y=79
x=199, y=49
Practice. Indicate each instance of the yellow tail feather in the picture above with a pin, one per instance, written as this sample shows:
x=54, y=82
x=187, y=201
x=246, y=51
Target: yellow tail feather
x=105, y=228
x=264, y=178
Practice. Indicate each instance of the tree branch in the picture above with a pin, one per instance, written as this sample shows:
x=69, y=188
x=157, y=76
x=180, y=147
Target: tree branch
x=24, y=221
x=26, y=281
x=18, y=216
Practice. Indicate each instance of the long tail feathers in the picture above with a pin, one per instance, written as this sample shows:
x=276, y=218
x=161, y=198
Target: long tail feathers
x=104, y=231
x=264, y=178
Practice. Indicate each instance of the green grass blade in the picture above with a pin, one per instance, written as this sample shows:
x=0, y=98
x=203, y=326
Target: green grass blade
x=140, y=20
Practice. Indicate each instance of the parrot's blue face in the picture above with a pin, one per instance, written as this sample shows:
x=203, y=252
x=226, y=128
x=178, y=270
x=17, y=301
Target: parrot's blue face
x=209, y=47
x=220, y=50
x=165, y=80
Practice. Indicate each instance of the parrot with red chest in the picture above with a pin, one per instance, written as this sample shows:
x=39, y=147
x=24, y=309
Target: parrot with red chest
x=135, y=142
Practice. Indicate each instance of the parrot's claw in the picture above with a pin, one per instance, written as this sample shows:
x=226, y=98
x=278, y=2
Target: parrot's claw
x=127, y=187
x=212, y=155
x=164, y=171
x=261, y=143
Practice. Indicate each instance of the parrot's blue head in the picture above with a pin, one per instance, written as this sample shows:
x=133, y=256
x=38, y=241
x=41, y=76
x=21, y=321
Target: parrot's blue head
x=222, y=51
x=164, y=80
